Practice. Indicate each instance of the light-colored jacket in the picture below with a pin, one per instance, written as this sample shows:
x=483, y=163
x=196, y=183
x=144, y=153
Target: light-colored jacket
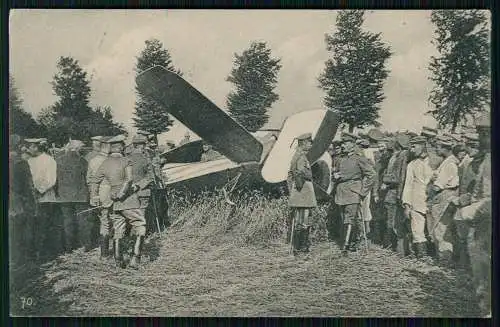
x=44, y=172
x=418, y=176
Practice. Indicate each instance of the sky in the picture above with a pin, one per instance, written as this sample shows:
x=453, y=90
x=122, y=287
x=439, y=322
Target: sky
x=202, y=44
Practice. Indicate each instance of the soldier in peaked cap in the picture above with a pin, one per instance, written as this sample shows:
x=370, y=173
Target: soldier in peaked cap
x=354, y=178
x=434, y=158
x=444, y=189
x=117, y=170
x=418, y=176
x=302, y=197
x=396, y=236
x=96, y=147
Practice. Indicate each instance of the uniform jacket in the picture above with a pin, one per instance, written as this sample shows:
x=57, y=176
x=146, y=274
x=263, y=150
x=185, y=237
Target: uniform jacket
x=395, y=175
x=104, y=187
x=480, y=208
x=435, y=160
x=418, y=176
x=113, y=172
x=142, y=172
x=71, y=183
x=89, y=156
x=447, y=181
x=300, y=183
x=21, y=196
x=356, y=175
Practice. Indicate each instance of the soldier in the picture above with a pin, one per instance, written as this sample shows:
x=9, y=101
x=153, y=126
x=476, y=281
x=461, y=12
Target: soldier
x=21, y=207
x=468, y=170
x=101, y=216
x=142, y=169
x=302, y=198
x=44, y=172
x=444, y=189
x=479, y=214
x=334, y=223
x=127, y=209
x=73, y=196
x=96, y=147
x=418, y=176
x=431, y=134
x=354, y=179
x=398, y=229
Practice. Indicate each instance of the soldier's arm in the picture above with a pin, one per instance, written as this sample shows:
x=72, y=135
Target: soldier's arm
x=368, y=175
x=402, y=172
x=94, y=180
x=147, y=179
x=127, y=183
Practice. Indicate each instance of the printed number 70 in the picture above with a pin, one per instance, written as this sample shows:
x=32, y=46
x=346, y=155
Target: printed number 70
x=27, y=301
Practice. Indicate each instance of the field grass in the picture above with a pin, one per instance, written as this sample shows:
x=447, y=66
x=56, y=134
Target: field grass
x=219, y=260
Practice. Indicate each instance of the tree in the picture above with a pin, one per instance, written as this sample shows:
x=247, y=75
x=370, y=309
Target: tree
x=72, y=116
x=255, y=76
x=354, y=76
x=21, y=122
x=151, y=116
x=461, y=72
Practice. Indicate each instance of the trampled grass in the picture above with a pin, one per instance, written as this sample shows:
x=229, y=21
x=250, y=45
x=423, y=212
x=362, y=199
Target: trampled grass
x=220, y=260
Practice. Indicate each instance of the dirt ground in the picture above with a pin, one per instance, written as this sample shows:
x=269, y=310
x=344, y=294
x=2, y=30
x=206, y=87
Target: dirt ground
x=184, y=275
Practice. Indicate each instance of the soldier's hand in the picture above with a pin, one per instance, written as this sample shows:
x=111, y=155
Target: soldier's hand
x=383, y=187
x=94, y=201
x=376, y=198
x=456, y=200
x=135, y=188
x=407, y=209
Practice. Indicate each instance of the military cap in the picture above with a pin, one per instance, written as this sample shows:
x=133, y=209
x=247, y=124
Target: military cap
x=348, y=137
x=305, y=136
x=403, y=140
x=412, y=134
x=427, y=131
x=375, y=134
x=418, y=140
x=74, y=145
x=36, y=141
x=96, y=138
x=116, y=139
x=445, y=140
x=454, y=137
x=143, y=133
x=139, y=139
x=483, y=120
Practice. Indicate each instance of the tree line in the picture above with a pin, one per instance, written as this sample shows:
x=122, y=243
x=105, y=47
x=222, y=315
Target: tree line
x=353, y=79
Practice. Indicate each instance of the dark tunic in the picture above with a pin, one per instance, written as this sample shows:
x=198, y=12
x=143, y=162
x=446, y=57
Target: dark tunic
x=356, y=177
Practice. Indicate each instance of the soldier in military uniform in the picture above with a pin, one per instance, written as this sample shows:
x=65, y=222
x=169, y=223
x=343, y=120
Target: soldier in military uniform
x=127, y=209
x=302, y=198
x=354, y=178
x=478, y=213
x=101, y=217
x=434, y=158
x=141, y=168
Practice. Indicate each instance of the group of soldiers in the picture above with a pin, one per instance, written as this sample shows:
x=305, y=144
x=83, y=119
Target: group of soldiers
x=427, y=195
x=67, y=200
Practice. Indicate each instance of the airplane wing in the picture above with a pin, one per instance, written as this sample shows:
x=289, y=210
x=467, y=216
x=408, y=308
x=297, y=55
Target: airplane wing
x=199, y=114
x=189, y=152
x=277, y=164
x=324, y=136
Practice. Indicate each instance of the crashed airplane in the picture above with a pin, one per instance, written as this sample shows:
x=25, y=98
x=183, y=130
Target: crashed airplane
x=259, y=159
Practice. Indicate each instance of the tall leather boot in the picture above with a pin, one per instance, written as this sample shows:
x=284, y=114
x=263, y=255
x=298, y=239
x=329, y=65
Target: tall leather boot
x=118, y=253
x=347, y=238
x=419, y=251
x=136, y=258
x=104, y=245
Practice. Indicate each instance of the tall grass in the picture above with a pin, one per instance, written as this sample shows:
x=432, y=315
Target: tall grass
x=257, y=218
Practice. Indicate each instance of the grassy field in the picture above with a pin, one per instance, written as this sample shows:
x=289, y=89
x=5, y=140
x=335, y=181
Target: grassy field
x=219, y=260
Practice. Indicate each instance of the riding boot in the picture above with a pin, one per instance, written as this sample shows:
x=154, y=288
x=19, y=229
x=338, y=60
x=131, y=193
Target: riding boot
x=136, y=258
x=118, y=253
x=419, y=250
x=307, y=242
x=104, y=244
x=347, y=238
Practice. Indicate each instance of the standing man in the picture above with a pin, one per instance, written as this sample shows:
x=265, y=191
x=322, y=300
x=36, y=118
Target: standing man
x=100, y=217
x=44, y=172
x=398, y=228
x=21, y=207
x=443, y=190
x=73, y=196
x=418, y=176
x=354, y=178
x=141, y=169
x=302, y=198
x=96, y=147
x=117, y=170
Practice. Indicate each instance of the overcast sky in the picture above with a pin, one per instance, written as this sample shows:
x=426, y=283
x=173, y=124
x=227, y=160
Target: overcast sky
x=202, y=44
